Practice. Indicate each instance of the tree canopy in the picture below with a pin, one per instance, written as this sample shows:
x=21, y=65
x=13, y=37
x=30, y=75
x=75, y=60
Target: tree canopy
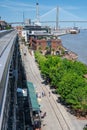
x=67, y=77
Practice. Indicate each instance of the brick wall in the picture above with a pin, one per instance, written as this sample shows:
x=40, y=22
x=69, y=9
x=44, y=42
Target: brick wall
x=43, y=44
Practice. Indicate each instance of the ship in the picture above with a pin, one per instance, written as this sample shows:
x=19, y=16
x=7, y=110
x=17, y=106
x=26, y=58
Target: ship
x=74, y=30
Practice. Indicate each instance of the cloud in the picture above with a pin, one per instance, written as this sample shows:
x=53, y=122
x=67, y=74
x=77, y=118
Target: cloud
x=10, y=2
x=16, y=6
x=74, y=7
x=71, y=8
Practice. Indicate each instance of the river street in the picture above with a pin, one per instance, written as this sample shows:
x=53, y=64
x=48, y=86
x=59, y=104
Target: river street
x=57, y=116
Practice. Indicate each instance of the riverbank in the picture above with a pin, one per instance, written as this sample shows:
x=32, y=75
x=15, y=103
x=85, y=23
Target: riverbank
x=70, y=55
x=77, y=43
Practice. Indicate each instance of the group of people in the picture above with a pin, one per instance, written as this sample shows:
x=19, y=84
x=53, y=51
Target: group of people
x=42, y=94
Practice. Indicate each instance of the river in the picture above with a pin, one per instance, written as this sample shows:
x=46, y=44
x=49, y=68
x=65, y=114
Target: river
x=77, y=43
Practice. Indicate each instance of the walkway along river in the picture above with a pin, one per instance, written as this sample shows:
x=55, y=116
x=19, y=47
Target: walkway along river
x=77, y=43
x=56, y=115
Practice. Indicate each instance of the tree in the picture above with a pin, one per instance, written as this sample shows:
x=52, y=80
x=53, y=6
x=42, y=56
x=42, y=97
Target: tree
x=67, y=77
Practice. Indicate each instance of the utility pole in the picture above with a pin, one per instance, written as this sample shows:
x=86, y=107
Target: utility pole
x=57, y=17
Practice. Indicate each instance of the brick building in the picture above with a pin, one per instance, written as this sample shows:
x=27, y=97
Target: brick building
x=4, y=25
x=19, y=29
x=46, y=45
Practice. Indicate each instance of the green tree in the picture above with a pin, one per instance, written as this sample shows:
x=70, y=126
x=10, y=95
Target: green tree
x=68, y=79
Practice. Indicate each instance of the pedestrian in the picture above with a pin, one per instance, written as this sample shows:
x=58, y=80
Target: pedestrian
x=49, y=94
x=42, y=94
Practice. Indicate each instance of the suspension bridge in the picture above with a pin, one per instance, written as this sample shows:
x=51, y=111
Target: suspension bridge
x=57, y=17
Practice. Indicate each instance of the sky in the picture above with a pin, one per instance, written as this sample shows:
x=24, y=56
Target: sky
x=69, y=10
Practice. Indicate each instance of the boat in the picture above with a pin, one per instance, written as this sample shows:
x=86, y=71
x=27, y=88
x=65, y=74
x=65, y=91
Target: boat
x=74, y=30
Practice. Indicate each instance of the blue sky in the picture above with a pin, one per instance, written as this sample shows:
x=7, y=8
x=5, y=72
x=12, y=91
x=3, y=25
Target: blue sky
x=12, y=10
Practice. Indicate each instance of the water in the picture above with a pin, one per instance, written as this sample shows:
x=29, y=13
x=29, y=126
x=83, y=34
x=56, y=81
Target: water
x=77, y=43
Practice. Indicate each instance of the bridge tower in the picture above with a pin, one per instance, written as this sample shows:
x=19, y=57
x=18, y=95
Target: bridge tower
x=57, y=18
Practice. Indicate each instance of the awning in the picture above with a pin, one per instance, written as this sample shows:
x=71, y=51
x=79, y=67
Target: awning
x=32, y=96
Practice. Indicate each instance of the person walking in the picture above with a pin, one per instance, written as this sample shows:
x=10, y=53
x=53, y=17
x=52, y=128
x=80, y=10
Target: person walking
x=49, y=94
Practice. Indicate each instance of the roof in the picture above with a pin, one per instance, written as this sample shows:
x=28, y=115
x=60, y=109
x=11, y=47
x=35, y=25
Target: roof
x=7, y=43
x=32, y=96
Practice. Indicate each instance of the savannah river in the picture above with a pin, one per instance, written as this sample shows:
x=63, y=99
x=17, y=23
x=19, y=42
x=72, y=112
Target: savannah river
x=77, y=43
